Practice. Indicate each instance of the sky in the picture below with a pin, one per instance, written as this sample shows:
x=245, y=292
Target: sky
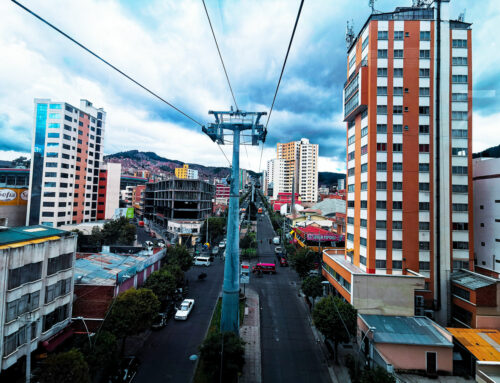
x=167, y=46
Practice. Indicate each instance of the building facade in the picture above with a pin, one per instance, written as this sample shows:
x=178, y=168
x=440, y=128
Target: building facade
x=108, y=199
x=276, y=177
x=13, y=196
x=222, y=194
x=407, y=105
x=36, y=267
x=186, y=173
x=66, y=155
x=486, y=183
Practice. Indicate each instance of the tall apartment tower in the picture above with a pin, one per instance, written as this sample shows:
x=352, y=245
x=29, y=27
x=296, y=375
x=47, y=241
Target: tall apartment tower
x=276, y=176
x=300, y=160
x=66, y=154
x=408, y=109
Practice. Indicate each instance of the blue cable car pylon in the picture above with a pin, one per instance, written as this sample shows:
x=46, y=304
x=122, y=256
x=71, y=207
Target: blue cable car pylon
x=233, y=125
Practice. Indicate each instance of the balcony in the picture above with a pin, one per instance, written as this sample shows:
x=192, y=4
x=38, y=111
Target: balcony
x=356, y=93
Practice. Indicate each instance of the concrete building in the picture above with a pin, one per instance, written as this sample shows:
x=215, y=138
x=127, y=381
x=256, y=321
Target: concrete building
x=222, y=194
x=66, y=154
x=276, y=177
x=408, y=109
x=36, y=270
x=186, y=173
x=486, y=185
x=13, y=196
x=108, y=199
x=300, y=163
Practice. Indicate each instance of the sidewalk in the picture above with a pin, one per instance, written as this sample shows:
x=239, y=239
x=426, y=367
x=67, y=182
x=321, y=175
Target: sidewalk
x=250, y=334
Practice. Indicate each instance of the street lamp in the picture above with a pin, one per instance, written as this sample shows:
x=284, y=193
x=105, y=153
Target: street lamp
x=86, y=328
x=363, y=338
x=28, y=320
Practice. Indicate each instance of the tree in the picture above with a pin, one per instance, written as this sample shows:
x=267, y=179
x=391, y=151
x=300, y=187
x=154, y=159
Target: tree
x=216, y=228
x=101, y=355
x=249, y=241
x=162, y=283
x=179, y=255
x=232, y=356
x=377, y=375
x=67, y=366
x=312, y=287
x=132, y=312
x=331, y=316
x=302, y=261
x=118, y=232
x=176, y=272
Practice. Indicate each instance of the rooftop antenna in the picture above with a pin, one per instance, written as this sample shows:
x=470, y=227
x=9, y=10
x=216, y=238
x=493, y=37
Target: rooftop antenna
x=349, y=33
x=461, y=17
x=371, y=3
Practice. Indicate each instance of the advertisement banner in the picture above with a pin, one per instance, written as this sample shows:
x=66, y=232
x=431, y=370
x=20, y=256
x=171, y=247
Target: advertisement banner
x=127, y=212
x=13, y=196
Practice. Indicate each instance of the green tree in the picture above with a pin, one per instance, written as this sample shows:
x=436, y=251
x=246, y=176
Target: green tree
x=176, y=272
x=249, y=241
x=132, y=312
x=248, y=253
x=377, y=375
x=331, y=316
x=232, y=355
x=101, y=355
x=179, y=255
x=216, y=228
x=302, y=261
x=312, y=287
x=162, y=283
x=67, y=366
x=118, y=232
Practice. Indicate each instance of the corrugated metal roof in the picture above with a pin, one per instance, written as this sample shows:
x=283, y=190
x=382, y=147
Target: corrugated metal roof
x=484, y=344
x=28, y=233
x=419, y=331
x=471, y=280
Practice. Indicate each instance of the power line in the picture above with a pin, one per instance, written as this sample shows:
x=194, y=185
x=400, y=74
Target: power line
x=222, y=150
x=220, y=55
x=105, y=62
x=281, y=75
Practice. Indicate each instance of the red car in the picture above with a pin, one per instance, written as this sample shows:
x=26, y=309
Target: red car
x=283, y=262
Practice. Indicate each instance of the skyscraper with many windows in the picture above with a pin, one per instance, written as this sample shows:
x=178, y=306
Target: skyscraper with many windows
x=66, y=155
x=407, y=105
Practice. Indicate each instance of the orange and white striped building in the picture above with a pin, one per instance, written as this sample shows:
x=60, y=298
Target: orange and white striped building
x=407, y=105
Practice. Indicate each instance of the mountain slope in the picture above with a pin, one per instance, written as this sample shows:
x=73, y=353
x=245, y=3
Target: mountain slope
x=493, y=152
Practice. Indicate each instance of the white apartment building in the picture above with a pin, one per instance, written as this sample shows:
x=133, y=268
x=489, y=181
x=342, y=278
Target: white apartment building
x=308, y=171
x=36, y=270
x=486, y=184
x=66, y=154
x=276, y=175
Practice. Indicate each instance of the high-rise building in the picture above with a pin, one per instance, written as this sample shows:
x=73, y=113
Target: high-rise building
x=186, y=173
x=407, y=105
x=300, y=160
x=66, y=155
x=276, y=176
x=486, y=184
x=109, y=190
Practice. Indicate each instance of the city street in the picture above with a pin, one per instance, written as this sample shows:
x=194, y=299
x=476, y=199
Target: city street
x=165, y=355
x=290, y=352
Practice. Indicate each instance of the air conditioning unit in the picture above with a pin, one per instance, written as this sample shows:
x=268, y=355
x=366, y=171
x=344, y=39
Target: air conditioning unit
x=419, y=301
x=419, y=311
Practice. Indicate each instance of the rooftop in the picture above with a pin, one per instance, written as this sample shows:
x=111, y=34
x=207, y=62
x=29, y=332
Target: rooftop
x=16, y=236
x=418, y=331
x=483, y=344
x=471, y=280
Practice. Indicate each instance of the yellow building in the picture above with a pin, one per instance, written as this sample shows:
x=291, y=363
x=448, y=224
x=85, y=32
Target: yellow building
x=185, y=172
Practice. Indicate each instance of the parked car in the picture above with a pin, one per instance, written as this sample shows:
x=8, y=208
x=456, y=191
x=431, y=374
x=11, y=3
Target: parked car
x=185, y=309
x=160, y=321
x=278, y=250
x=276, y=240
x=202, y=261
x=283, y=262
x=222, y=244
x=215, y=250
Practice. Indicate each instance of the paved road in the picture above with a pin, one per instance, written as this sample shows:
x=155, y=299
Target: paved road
x=165, y=355
x=290, y=352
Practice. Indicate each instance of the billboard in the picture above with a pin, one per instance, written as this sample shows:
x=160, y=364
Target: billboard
x=13, y=196
x=127, y=212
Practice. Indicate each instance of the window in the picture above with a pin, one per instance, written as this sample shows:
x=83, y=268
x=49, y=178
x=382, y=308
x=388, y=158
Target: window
x=397, y=109
x=425, y=54
x=397, y=147
x=350, y=188
x=398, y=53
x=362, y=260
x=62, y=262
x=350, y=156
x=53, y=135
x=423, y=206
x=423, y=226
x=380, y=224
x=381, y=204
x=364, y=149
x=382, y=72
x=397, y=186
x=381, y=109
x=459, y=43
x=458, y=245
x=398, y=72
x=381, y=91
x=364, y=204
x=460, y=152
x=424, y=266
x=381, y=147
x=364, y=185
x=424, y=91
x=350, y=237
x=459, y=78
x=460, y=226
x=382, y=35
x=462, y=116
x=423, y=110
x=381, y=166
x=58, y=315
x=397, y=128
x=351, y=139
x=352, y=61
x=425, y=35
x=381, y=128
x=423, y=129
x=459, y=292
x=459, y=97
x=397, y=225
x=51, y=164
x=350, y=220
x=423, y=167
x=423, y=186
x=25, y=274
x=460, y=170
x=350, y=172
x=397, y=205
x=459, y=188
x=423, y=72
x=398, y=35
x=380, y=263
x=380, y=244
x=397, y=265
x=26, y=303
x=362, y=241
x=364, y=132
x=50, y=184
x=58, y=289
x=381, y=185
x=423, y=148
x=397, y=244
x=462, y=61
x=397, y=166
x=365, y=43
x=364, y=168
x=398, y=91
x=382, y=53
x=460, y=207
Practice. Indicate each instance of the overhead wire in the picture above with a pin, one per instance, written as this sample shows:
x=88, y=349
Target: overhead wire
x=281, y=75
x=113, y=67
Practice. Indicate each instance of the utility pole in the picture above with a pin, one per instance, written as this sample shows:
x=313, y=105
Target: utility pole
x=237, y=122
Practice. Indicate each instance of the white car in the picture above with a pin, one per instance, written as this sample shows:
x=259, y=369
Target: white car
x=278, y=250
x=202, y=261
x=184, y=310
x=215, y=250
x=222, y=244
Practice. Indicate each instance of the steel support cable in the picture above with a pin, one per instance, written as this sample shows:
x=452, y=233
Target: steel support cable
x=220, y=55
x=105, y=62
x=281, y=75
